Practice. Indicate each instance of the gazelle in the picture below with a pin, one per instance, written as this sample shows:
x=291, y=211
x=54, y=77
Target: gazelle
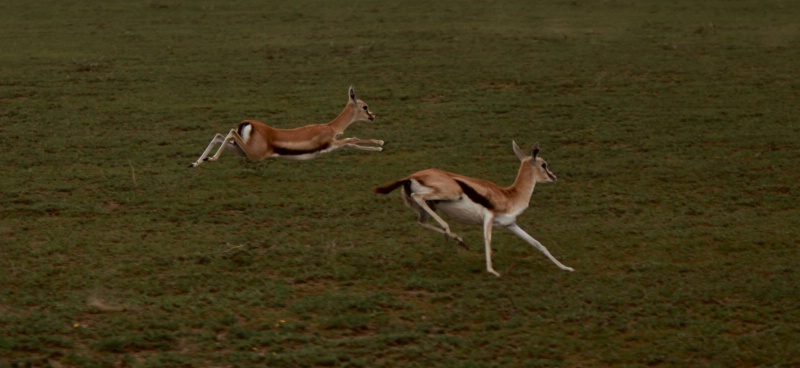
x=475, y=201
x=257, y=141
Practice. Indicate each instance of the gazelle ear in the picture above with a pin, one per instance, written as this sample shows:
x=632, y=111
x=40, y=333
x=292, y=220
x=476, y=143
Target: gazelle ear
x=518, y=151
x=352, y=93
x=535, y=150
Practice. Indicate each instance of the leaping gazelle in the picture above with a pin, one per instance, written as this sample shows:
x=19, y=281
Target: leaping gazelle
x=475, y=201
x=257, y=141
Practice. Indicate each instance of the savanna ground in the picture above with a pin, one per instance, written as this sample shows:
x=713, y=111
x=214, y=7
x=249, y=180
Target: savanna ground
x=672, y=126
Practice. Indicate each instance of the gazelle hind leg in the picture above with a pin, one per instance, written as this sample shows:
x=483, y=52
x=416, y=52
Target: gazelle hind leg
x=422, y=220
x=420, y=202
x=232, y=135
x=237, y=149
x=219, y=138
x=535, y=243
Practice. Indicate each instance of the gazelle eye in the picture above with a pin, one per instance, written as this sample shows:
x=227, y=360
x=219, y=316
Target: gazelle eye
x=366, y=108
x=544, y=166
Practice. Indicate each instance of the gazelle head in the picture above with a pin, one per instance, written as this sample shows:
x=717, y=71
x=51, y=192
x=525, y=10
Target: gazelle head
x=361, y=110
x=541, y=173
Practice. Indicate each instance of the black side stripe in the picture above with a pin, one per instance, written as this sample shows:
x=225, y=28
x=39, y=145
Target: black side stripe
x=295, y=152
x=474, y=195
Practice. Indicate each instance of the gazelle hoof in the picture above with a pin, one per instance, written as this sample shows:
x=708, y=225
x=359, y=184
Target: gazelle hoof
x=493, y=272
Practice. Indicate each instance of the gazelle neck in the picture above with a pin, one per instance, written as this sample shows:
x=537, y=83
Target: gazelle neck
x=345, y=118
x=524, y=183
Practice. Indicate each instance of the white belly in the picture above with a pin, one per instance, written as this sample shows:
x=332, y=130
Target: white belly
x=303, y=157
x=466, y=211
x=463, y=210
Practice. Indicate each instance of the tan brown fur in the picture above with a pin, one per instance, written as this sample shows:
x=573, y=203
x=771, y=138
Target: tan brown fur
x=475, y=201
x=301, y=143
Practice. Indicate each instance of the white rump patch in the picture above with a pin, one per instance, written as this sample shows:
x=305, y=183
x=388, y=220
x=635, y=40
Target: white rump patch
x=245, y=132
x=417, y=187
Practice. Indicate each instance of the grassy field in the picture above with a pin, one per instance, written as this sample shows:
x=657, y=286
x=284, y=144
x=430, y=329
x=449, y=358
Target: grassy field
x=672, y=127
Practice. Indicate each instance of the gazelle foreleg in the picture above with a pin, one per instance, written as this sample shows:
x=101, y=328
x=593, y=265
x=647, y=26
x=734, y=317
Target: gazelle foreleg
x=488, y=221
x=522, y=234
x=354, y=143
x=420, y=202
x=219, y=138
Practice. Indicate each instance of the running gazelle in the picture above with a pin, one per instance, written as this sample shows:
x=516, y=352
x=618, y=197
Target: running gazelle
x=475, y=201
x=257, y=141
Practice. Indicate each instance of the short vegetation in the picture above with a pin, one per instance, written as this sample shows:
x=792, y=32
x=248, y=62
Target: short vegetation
x=672, y=127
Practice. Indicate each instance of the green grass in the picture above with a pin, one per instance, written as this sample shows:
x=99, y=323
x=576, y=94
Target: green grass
x=671, y=126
